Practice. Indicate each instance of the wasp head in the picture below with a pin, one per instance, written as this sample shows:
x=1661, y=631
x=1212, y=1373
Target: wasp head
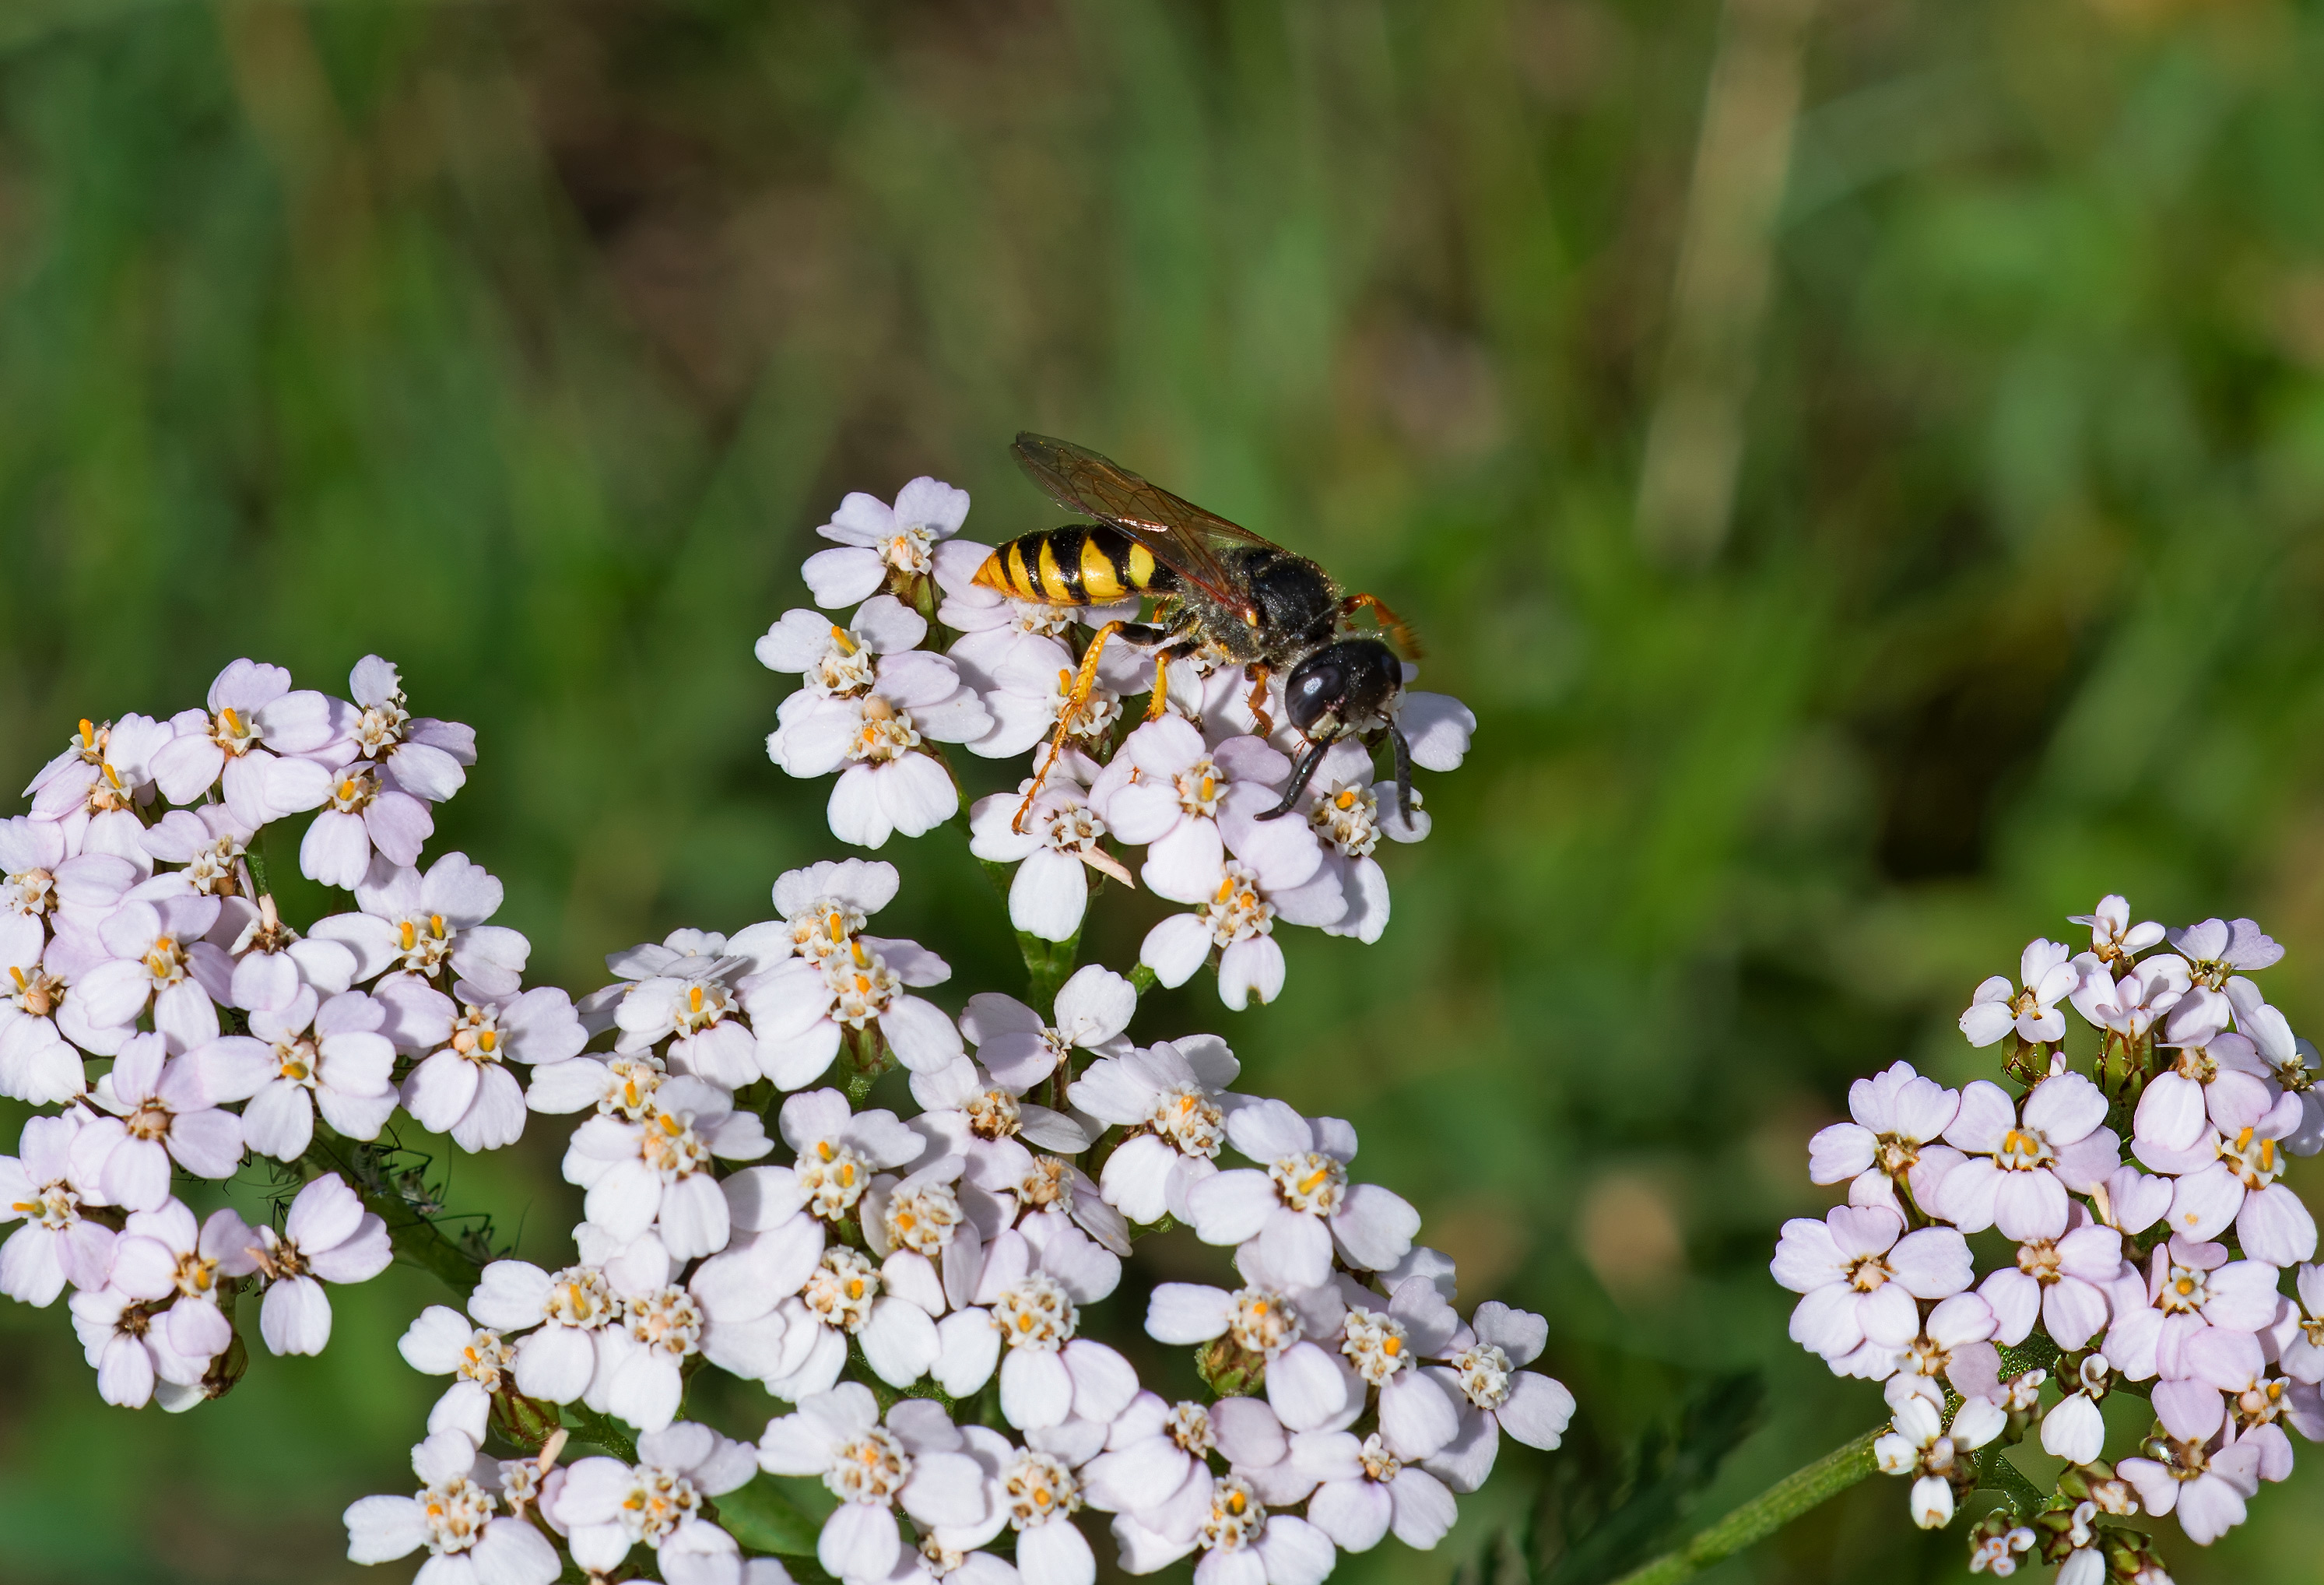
x=1342, y=688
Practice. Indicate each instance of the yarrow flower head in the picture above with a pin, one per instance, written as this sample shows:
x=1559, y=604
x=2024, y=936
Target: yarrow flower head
x=2121, y=1274
x=753, y=1206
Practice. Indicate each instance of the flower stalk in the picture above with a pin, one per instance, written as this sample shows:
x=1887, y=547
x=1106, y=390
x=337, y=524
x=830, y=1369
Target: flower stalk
x=1804, y=1488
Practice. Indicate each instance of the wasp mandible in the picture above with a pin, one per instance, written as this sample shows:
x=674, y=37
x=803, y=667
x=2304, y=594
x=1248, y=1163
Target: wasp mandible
x=1223, y=596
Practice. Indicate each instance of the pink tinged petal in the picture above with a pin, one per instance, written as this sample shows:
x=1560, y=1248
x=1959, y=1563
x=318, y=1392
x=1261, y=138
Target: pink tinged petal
x=2074, y=1429
x=1537, y=1411
x=968, y=1349
x=336, y=850
x=1933, y=1263
x=1174, y=949
x=381, y=1529
x=2205, y=1204
x=1417, y=1416
x=1233, y=1206
x=2089, y=1161
x=1355, y=1514
x=1986, y=1114
x=2242, y=1296
x=495, y=1117
x=899, y=1341
x=2065, y=1107
x=2030, y=1205
x=1807, y=1257
x=1839, y=1152
x=2157, y=1487
x=923, y=1038
x=1986, y=1022
x=2275, y=1226
x=1103, y=1381
x=439, y=1090
x=1861, y=1230
x=1294, y=1247
x=2171, y=1113
x=1035, y=1389
x=1825, y=1321
x=1969, y=1194
x=1049, y=895
x=859, y=1540
x=1374, y=1227
x=207, y=1143
x=1186, y=1312
x=555, y=1363
x=2073, y=1311
x=1888, y=1316
x=694, y=1217
x=1467, y=1461
x=1054, y=1554
x=2209, y=1507
x=1309, y=1388
x=1251, y=969
x=125, y=1374
x=296, y=1318
x=279, y=1121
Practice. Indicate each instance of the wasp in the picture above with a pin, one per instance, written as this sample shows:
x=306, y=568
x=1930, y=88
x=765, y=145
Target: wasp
x=1223, y=597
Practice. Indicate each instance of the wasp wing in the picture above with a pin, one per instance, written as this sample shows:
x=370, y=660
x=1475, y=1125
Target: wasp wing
x=1181, y=535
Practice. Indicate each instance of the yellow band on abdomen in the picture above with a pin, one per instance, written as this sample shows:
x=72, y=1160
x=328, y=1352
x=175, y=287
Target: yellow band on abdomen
x=1053, y=578
x=1099, y=581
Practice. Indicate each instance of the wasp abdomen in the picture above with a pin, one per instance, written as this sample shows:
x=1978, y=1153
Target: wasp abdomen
x=1080, y=564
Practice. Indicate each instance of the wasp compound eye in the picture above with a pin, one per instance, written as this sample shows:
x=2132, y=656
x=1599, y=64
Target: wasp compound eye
x=1314, y=690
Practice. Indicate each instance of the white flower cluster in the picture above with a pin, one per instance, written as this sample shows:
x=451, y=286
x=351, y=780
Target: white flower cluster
x=2161, y=1276
x=152, y=992
x=917, y=1287
x=1189, y=787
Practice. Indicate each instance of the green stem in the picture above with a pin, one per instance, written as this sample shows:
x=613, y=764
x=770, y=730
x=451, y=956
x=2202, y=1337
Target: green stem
x=257, y=865
x=1764, y=1514
x=1141, y=980
x=416, y=1240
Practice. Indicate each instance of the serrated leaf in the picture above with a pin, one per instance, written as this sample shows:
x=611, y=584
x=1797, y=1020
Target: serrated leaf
x=1657, y=1482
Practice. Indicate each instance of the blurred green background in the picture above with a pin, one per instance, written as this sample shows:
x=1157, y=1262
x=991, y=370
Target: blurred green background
x=1861, y=462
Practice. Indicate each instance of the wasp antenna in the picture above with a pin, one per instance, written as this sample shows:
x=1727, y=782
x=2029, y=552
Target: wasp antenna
x=1403, y=771
x=1301, y=774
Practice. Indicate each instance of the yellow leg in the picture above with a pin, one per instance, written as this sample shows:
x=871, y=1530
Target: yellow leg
x=1079, y=696
x=1157, y=704
x=1257, y=700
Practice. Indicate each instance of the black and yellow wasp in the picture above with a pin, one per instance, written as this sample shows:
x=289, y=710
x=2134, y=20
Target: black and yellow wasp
x=1223, y=596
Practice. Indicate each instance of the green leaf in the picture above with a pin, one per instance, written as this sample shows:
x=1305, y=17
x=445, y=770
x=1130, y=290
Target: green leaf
x=1626, y=1508
x=777, y=1517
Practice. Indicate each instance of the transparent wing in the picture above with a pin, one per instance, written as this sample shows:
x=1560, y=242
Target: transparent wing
x=1181, y=535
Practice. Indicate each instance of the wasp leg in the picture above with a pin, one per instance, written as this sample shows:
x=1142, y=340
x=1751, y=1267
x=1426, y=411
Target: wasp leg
x=1158, y=703
x=1301, y=774
x=1403, y=771
x=1258, y=673
x=1077, y=697
x=1399, y=629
